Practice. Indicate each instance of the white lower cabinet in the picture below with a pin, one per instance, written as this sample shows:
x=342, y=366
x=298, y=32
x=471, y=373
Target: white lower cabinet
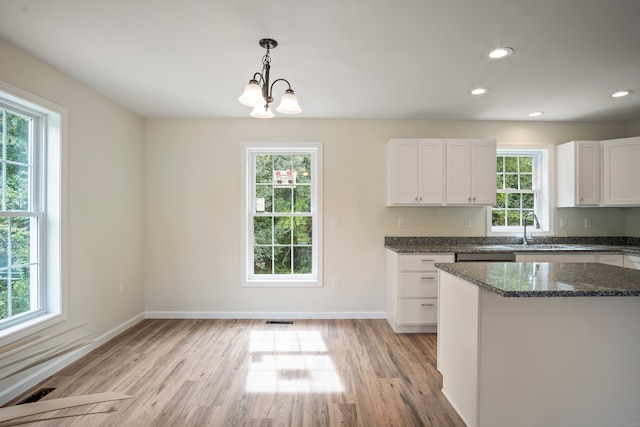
x=412, y=291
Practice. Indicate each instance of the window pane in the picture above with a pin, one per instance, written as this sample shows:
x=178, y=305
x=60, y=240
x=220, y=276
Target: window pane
x=500, y=181
x=511, y=181
x=302, y=230
x=20, y=291
x=528, y=200
x=302, y=198
x=4, y=295
x=500, y=164
x=282, y=200
x=501, y=200
x=262, y=230
x=302, y=166
x=282, y=231
x=511, y=164
x=302, y=260
x=282, y=259
x=498, y=218
x=4, y=242
x=282, y=162
x=17, y=187
x=513, y=200
x=513, y=218
x=264, y=169
x=262, y=260
x=18, y=132
x=526, y=164
x=20, y=241
x=526, y=182
x=264, y=198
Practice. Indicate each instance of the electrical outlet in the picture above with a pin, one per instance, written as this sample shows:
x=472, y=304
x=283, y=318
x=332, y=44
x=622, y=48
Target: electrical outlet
x=335, y=223
x=121, y=288
x=563, y=222
x=467, y=223
x=400, y=222
x=334, y=281
x=587, y=223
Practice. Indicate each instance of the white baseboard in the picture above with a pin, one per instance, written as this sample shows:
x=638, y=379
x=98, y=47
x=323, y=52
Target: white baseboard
x=45, y=370
x=264, y=315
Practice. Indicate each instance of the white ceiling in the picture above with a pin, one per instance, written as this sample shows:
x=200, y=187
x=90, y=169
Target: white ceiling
x=364, y=59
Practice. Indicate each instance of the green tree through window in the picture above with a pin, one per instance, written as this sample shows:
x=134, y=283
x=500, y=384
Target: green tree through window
x=18, y=227
x=516, y=195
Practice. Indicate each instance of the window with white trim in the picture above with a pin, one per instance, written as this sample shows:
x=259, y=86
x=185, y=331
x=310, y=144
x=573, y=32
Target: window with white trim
x=30, y=268
x=523, y=178
x=282, y=214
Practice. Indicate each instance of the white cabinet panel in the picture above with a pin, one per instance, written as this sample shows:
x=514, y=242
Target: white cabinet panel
x=418, y=311
x=621, y=172
x=578, y=173
x=471, y=172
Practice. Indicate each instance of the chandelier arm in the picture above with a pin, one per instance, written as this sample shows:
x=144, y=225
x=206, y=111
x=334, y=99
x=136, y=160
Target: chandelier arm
x=276, y=81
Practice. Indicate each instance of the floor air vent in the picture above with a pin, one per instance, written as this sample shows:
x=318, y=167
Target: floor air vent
x=37, y=395
x=279, y=322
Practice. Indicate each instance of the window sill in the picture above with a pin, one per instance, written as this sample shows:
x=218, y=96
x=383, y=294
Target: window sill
x=30, y=327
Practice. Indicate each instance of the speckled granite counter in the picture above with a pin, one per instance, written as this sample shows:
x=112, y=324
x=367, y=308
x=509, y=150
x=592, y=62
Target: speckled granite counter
x=543, y=279
x=408, y=245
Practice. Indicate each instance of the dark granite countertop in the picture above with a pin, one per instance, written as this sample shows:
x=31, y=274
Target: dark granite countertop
x=537, y=248
x=412, y=245
x=544, y=279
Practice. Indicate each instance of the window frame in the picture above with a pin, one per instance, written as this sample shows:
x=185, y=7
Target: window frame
x=248, y=278
x=544, y=179
x=51, y=130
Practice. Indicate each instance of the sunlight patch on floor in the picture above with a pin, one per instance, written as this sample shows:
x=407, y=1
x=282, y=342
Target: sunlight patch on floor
x=290, y=361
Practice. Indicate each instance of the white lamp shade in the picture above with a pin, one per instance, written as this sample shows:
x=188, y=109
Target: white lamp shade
x=259, y=112
x=289, y=103
x=252, y=95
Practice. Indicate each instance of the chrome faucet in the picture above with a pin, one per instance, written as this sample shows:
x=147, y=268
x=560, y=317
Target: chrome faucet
x=537, y=224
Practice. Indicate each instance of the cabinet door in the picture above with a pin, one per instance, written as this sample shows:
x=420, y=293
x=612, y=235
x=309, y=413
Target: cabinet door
x=588, y=171
x=459, y=172
x=621, y=170
x=402, y=171
x=471, y=172
x=483, y=168
x=430, y=171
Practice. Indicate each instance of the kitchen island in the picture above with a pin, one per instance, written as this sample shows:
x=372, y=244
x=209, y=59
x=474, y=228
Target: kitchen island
x=540, y=344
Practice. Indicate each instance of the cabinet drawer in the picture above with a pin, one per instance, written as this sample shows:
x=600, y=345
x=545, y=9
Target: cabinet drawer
x=418, y=311
x=419, y=285
x=423, y=262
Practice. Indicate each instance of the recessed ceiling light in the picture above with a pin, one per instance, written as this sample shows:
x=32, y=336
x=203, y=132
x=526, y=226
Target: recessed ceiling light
x=502, y=52
x=621, y=93
x=536, y=114
x=479, y=91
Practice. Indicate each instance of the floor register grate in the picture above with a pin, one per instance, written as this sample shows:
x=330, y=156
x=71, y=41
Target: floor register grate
x=36, y=396
x=279, y=322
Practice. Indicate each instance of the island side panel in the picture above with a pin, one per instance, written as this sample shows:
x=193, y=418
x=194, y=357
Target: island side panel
x=559, y=361
x=458, y=344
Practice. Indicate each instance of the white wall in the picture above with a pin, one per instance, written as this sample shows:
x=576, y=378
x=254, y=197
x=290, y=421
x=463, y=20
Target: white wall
x=193, y=199
x=103, y=197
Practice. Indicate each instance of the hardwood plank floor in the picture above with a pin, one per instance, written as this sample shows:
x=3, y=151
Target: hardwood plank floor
x=249, y=373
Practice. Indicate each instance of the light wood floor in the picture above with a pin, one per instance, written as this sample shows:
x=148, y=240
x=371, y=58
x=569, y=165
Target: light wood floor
x=249, y=373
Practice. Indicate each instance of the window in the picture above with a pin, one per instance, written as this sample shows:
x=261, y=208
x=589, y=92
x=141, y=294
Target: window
x=30, y=291
x=282, y=221
x=522, y=185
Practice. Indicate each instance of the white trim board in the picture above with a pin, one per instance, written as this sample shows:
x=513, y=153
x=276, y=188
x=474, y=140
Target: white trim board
x=46, y=370
x=264, y=315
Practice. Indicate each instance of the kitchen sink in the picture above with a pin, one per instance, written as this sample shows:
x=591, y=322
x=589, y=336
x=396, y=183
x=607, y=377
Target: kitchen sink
x=548, y=247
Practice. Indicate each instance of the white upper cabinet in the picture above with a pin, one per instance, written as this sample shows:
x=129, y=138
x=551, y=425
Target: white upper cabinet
x=621, y=172
x=578, y=173
x=471, y=172
x=415, y=172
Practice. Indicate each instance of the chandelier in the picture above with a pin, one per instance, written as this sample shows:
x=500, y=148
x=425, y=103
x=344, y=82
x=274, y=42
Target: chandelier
x=259, y=94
